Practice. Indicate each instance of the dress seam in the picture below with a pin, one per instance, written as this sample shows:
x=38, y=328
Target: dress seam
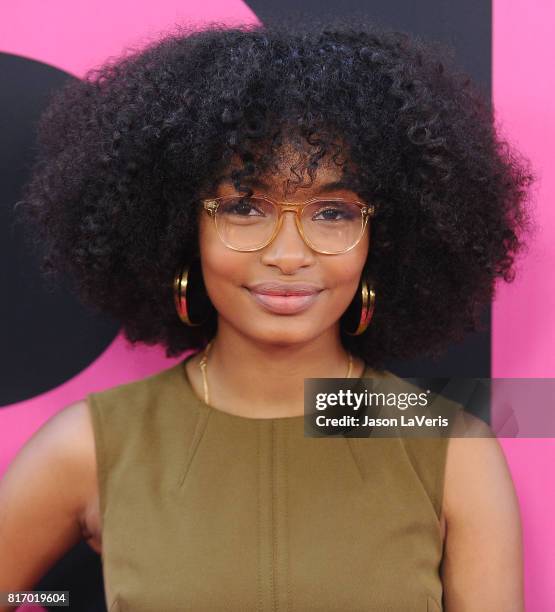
x=351, y=444
x=273, y=514
x=198, y=434
x=259, y=521
x=287, y=547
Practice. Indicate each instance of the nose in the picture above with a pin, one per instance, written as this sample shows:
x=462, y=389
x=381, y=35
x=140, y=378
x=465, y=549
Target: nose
x=288, y=250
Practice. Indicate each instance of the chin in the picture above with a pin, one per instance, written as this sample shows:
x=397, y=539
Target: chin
x=283, y=333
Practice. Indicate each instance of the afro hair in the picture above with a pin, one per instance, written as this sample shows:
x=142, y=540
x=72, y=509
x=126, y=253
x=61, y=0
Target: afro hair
x=126, y=153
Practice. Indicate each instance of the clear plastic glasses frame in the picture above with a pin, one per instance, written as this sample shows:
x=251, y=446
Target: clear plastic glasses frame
x=367, y=210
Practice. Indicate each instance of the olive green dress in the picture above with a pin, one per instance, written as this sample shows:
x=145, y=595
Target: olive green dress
x=205, y=511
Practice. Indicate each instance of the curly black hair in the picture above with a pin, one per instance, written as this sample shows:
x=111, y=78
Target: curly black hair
x=126, y=153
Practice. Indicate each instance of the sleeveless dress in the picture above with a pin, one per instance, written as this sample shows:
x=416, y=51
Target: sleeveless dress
x=206, y=511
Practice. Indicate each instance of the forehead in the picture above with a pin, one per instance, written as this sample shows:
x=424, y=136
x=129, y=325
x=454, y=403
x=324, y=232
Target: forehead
x=290, y=176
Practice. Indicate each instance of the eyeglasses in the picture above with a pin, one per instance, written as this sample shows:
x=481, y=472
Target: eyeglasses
x=327, y=225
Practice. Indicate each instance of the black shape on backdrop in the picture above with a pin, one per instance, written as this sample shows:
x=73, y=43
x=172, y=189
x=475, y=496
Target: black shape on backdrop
x=58, y=334
x=47, y=336
x=465, y=29
x=80, y=573
x=465, y=26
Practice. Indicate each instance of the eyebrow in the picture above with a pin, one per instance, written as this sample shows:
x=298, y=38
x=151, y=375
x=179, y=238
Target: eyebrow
x=333, y=186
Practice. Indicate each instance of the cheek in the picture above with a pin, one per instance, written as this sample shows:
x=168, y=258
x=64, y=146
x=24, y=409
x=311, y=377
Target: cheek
x=343, y=281
x=223, y=269
x=346, y=269
x=343, y=276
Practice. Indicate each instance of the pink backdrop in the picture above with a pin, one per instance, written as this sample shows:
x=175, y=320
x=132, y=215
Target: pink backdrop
x=74, y=36
x=523, y=335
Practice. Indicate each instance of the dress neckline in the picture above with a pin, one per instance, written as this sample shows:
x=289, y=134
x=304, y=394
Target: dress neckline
x=185, y=381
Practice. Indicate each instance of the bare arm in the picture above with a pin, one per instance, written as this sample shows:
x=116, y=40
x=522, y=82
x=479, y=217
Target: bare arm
x=43, y=496
x=483, y=560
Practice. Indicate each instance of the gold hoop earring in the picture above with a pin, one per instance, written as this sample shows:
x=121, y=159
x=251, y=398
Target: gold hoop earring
x=180, y=284
x=368, y=301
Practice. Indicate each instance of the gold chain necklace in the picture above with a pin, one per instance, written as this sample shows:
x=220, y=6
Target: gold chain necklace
x=204, y=360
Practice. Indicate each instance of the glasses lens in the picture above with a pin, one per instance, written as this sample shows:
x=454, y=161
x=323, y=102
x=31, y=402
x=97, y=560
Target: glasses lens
x=245, y=223
x=332, y=226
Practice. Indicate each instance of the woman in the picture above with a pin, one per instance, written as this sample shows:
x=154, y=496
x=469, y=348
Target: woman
x=296, y=203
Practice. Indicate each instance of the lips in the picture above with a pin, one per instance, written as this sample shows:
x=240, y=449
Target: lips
x=284, y=299
x=285, y=289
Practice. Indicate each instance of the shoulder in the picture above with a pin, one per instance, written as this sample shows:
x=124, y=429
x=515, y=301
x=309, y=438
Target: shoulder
x=64, y=441
x=483, y=547
x=476, y=470
x=145, y=388
x=155, y=415
x=67, y=439
x=426, y=453
x=127, y=410
x=45, y=494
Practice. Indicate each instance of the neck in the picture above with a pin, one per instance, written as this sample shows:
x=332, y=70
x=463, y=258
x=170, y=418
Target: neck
x=266, y=379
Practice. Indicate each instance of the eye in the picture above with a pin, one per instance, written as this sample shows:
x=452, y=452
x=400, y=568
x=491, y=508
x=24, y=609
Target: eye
x=328, y=214
x=241, y=207
x=335, y=211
